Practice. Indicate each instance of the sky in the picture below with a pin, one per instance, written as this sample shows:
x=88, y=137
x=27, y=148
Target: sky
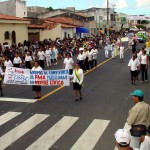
x=131, y=7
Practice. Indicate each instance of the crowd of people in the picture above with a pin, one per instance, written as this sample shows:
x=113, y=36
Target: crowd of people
x=36, y=55
x=47, y=53
x=139, y=63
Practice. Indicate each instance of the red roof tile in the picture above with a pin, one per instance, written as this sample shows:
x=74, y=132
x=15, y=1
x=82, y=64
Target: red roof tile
x=64, y=20
x=67, y=26
x=34, y=26
x=6, y=17
x=45, y=25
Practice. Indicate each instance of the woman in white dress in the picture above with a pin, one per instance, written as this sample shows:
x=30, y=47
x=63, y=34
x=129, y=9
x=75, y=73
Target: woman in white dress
x=68, y=63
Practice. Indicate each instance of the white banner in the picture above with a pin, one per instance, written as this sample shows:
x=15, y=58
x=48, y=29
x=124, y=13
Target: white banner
x=22, y=76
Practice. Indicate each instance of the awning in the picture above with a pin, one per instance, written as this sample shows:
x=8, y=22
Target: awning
x=81, y=30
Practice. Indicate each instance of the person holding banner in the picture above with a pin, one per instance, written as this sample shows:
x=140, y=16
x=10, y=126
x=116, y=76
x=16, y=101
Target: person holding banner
x=37, y=88
x=78, y=77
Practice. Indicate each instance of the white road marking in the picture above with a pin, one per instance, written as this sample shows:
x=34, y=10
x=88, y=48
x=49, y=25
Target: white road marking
x=18, y=100
x=8, y=116
x=20, y=130
x=89, y=138
x=53, y=134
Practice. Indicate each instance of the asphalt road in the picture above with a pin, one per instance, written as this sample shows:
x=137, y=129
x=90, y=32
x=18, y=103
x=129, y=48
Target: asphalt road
x=58, y=122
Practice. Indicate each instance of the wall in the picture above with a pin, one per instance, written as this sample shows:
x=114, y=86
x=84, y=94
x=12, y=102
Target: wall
x=69, y=31
x=51, y=13
x=14, y=8
x=8, y=7
x=21, y=9
x=50, y=34
x=20, y=29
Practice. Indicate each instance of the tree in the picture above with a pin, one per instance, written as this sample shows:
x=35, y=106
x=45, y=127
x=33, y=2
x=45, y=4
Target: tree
x=49, y=8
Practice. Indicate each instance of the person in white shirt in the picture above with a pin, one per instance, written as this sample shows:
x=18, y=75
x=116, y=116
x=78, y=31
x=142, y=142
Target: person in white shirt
x=90, y=59
x=81, y=58
x=37, y=88
x=1, y=77
x=48, y=57
x=121, y=53
x=94, y=53
x=68, y=63
x=78, y=77
x=7, y=62
x=41, y=57
x=28, y=60
x=134, y=65
x=86, y=63
x=106, y=51
x=17, y=61
x=56, y=54
x=144, y=66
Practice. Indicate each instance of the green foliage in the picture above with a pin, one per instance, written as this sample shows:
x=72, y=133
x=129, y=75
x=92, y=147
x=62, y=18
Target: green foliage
x=49, y=8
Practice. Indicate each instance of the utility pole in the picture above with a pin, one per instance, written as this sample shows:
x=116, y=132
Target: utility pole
x=107, y=17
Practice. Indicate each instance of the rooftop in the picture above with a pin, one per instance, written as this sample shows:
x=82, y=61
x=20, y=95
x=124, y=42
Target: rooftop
x=65, y=20
x=6, y=17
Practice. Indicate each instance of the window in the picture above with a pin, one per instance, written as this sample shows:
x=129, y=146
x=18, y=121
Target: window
x=6, y=35
x=65, y=34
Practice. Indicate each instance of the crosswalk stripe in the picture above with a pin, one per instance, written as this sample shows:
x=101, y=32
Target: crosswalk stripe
x=20, y=130
x=21, y=100
x=53, y=134
x=8, y=116
x=89, y=138
x=127, y=127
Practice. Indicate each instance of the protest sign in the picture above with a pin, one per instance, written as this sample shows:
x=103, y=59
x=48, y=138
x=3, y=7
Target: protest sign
x=22, y=76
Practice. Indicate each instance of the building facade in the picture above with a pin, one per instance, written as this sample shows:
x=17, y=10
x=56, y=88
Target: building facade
x=15, y=8
x=13, y=29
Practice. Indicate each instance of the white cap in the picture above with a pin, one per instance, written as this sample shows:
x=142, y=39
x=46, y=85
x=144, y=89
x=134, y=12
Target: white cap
x=81, y=49
x=123, y=137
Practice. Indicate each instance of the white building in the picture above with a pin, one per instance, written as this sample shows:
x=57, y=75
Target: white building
x=15, y=8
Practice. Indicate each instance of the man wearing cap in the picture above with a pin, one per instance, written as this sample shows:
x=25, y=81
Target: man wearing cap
x=123, y=139
x=138, y=118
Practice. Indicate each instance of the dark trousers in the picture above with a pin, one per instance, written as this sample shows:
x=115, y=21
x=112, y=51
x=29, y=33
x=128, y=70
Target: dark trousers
x=81, y=63
x=94, y=62
x=133, y=49
x=41, y=63
x=91, y=64
x=86, y=64
x=144, y=72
